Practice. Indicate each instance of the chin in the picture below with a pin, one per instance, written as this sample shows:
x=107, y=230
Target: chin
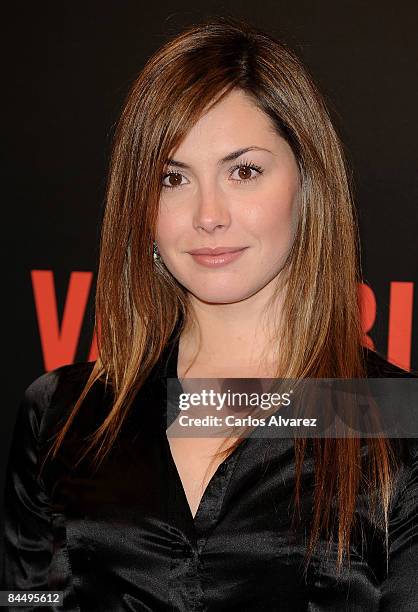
x=217, y=295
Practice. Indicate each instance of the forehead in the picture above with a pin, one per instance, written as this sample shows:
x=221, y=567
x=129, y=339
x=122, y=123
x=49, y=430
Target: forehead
x=233, y=122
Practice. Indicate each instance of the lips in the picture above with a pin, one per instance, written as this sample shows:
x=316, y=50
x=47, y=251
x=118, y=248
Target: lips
x=217, y=258
x=215, y=251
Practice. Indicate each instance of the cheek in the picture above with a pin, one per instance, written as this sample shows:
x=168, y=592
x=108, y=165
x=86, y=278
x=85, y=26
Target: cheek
x=276, y=214
x=169, y=227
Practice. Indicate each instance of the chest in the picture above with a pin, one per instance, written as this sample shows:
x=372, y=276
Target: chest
x=127, y=532
x=196, y=462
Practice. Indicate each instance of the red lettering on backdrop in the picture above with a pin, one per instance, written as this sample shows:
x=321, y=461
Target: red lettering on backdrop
x=400, y=324
x=367, y=301
x=59, y=344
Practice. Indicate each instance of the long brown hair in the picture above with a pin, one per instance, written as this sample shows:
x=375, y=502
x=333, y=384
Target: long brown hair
x=138, y=302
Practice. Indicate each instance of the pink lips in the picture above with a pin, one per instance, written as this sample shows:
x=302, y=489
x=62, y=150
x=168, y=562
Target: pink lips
x=215, y=251
x=219, y=256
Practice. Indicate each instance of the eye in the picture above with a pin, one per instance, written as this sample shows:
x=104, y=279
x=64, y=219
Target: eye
x=247, y=166
x=177, y=176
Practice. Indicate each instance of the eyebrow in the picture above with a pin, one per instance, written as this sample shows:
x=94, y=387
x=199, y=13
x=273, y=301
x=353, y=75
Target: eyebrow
x=227, y=158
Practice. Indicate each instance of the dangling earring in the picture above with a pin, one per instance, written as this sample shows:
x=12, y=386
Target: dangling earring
x=156, y=252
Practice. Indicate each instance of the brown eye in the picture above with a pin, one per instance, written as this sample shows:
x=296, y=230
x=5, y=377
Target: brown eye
x=244, y=173
x=174, y=179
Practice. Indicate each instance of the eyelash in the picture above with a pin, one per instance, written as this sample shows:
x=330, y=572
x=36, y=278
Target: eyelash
x=244, y=164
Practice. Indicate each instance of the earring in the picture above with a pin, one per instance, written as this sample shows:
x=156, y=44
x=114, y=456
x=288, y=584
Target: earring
x=156, y=252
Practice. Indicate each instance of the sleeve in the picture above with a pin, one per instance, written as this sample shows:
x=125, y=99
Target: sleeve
x=376, y=582
x=28, y=541
x=399, y=590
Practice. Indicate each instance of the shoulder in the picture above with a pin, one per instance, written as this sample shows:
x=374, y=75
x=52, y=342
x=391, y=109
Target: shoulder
x=49, y=396
x=378, y=366
x=46, y=384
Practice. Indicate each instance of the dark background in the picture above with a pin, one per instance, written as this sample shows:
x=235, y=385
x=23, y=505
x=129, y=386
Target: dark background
x=68, y=69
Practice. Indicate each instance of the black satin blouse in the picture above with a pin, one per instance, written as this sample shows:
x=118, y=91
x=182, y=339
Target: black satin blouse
x=124, y=538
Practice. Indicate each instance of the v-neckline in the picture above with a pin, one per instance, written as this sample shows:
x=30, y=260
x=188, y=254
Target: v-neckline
x=223, y=470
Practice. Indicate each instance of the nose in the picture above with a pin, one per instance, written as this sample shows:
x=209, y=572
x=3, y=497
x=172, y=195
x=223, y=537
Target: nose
x=212, y=210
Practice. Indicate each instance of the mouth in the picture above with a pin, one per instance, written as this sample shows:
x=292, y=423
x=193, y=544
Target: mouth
x=215, y=258
x=215, y=251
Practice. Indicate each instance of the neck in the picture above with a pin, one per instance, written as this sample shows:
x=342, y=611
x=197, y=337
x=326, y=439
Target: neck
x=241, y=335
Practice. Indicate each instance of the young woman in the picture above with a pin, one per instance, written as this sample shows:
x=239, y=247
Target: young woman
x=224, y=143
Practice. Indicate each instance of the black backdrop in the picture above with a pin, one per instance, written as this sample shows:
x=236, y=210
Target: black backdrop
x=69, y=66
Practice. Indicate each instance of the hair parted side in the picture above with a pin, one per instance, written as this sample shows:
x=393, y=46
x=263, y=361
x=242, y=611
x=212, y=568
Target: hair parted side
x=136, y=309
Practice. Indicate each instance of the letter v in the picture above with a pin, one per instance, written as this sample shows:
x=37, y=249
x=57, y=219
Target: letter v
x=59, y=345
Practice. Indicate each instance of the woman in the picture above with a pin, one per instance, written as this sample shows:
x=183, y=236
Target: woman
x=224, y=142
